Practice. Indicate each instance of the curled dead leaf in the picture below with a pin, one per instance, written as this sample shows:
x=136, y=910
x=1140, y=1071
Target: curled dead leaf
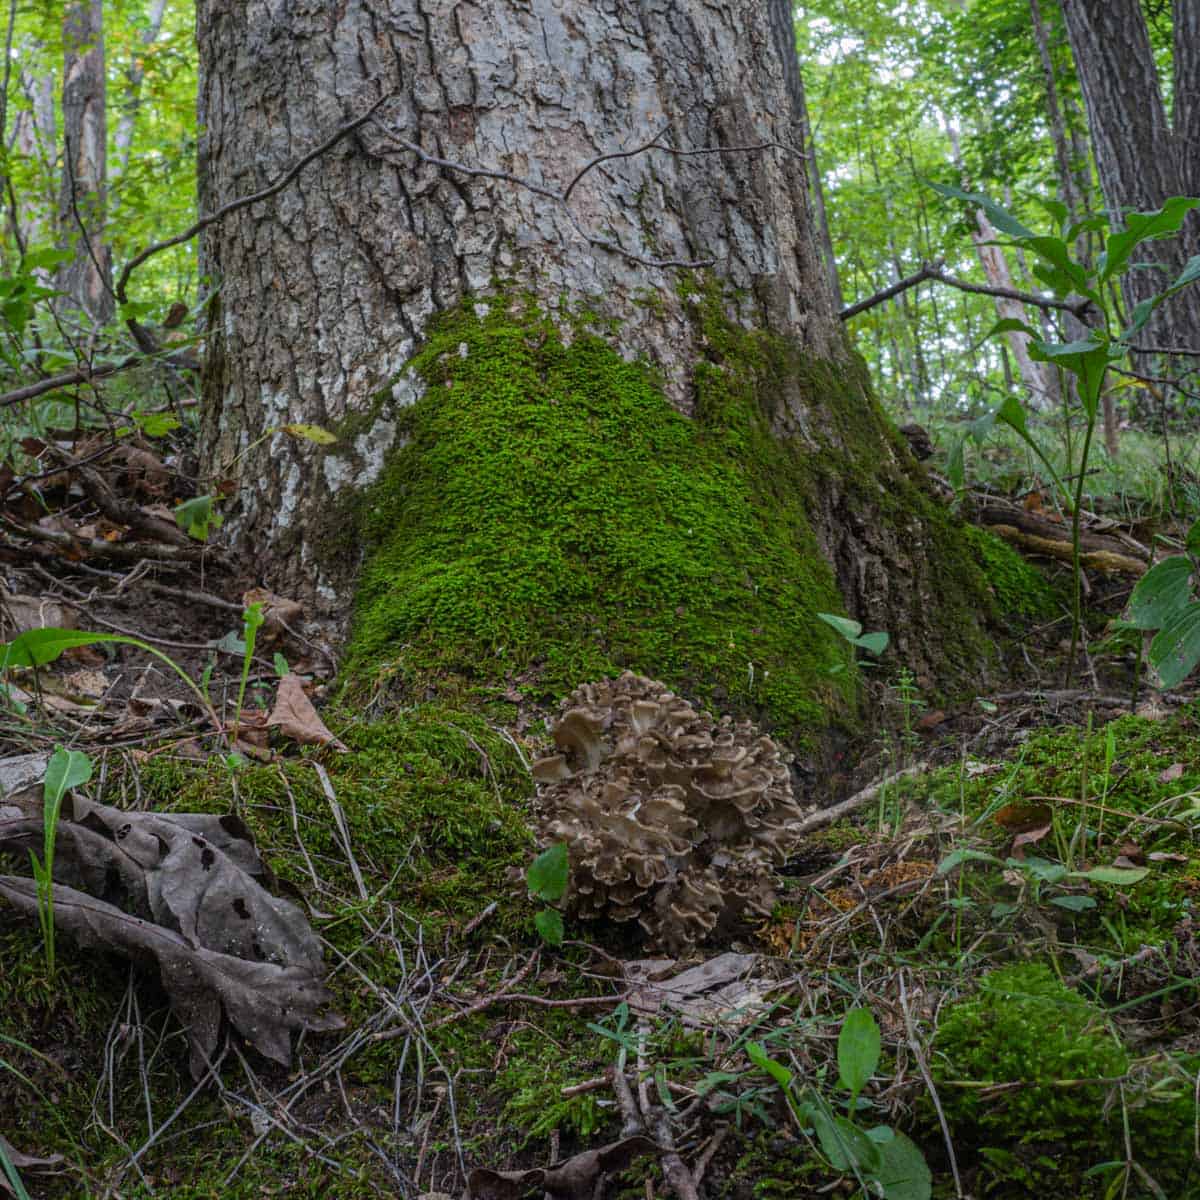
x=295, y=717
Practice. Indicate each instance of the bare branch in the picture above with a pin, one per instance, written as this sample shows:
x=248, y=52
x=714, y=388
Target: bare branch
x=936, y=272
x=244, y=201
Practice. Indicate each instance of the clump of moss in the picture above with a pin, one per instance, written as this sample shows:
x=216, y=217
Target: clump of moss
x=551, y=516
x=1021, y=590
x=1025, y=1027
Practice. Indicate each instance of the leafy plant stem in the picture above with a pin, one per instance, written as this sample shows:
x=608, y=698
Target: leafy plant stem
x=1076, y=575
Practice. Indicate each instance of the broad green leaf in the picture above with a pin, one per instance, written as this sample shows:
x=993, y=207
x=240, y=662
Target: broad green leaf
x=548, y=873
x=1193, y=539
x=757, y=1054
x=310, y=433
x=1189, y=275
x=1175, y=650
x=157, y=424
x=1074, y=903
x=844, y=1144
x=1011, y=325
x=549, y=924
x=873, y=643
x=197, y=517
x=858, y=1049
x=956, y=858
x=1012, y=412
x=1057, y=254
x=66, y=769
x=36, y=647
x=1056, y=208
x=281, y=665
x=1142, y=312
x=1003, y=220
x=1143, y=227
x=1162, y=593
x=1121, y=876
x=848, y=628
x=903, y=1172
x=1039, y=868
x=1086, y=359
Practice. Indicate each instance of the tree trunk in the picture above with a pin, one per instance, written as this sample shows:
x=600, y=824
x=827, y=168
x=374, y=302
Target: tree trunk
x=87, y=279
x=579, y=454
x=1140, y=159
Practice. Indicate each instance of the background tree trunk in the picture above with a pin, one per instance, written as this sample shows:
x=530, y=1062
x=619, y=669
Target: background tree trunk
x=87, y=278
x=1140, y=158
x=329, y=290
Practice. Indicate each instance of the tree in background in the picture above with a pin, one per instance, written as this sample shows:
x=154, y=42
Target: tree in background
x=1143, y=156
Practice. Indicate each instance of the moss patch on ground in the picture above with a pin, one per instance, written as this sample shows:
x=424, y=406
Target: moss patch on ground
x=552, y=519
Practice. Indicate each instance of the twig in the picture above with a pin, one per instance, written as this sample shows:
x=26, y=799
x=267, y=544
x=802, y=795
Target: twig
x=244, y=201
x=118, y=551
x=915, y=1045
x=836, y=812
x=936, y=272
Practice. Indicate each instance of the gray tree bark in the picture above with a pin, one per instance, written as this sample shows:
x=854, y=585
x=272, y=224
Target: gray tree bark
x=328, y=288
x=1143, y=158
x=87, y=278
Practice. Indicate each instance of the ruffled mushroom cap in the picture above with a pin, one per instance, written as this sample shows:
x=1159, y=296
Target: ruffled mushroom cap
x=671, y=818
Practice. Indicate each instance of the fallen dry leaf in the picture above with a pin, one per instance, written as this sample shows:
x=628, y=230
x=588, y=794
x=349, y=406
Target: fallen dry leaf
x=1172, y=773
x=574, y=1178
x=182, y=889
x=263, y=1001
x=295, y=717
x=24, y=1162
x=1028, y=837
x=278, y=612
x=1019, y=817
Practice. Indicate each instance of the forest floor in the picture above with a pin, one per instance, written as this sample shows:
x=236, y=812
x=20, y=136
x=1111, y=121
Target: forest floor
x=988, y=965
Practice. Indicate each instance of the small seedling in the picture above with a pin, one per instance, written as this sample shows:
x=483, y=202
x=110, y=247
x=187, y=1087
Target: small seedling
x=66, y=769
x=547, y=879
x=852, y=631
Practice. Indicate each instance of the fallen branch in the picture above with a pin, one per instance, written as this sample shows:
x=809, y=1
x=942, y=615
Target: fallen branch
x=836, y=812
x=131, y=552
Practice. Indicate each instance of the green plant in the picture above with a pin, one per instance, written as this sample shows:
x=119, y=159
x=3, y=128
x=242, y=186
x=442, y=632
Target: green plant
x=547, y=879
x=884, y=1161
x=1167, y=600
x=1087, y=359
x=852, y=631
x=1039, y=875
x=10, y=1173
x=66, y=769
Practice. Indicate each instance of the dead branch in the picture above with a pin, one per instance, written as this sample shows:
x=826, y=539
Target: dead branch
x=836, y=812
x=936, y=272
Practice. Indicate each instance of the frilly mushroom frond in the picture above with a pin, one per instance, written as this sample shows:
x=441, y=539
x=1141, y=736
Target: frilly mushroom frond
x=671, y=818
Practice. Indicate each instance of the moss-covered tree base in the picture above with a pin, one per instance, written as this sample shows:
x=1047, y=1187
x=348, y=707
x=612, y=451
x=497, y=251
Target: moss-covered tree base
x=551, y=518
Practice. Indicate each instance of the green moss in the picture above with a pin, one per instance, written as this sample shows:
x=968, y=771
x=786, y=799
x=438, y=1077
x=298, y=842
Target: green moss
x=1021, y=590
x=1025, y=1026
x=1030, y=1073
x=553, y=518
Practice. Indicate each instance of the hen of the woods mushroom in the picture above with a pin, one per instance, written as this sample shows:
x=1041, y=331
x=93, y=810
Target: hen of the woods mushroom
x=670, y=817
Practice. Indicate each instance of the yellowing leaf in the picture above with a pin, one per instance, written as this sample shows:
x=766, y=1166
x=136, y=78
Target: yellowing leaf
x=310, y=433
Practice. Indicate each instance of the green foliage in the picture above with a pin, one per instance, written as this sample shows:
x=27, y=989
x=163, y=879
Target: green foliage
x=66, y=769
x=547, y=879
x=852, y=631
x=552, y=516
x=1026, y=1027
x=1167, y=599
x=884, y=1161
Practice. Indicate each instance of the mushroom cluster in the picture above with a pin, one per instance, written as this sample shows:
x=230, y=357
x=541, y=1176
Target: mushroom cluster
x=671, y=818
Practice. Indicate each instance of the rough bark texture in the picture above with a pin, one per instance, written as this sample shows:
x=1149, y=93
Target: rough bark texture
x=1142, y=158
x=329, y=289
x=87, y=278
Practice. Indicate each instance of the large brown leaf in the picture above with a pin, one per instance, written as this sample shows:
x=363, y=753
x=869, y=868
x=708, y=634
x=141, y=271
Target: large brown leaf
x=264, y=1002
